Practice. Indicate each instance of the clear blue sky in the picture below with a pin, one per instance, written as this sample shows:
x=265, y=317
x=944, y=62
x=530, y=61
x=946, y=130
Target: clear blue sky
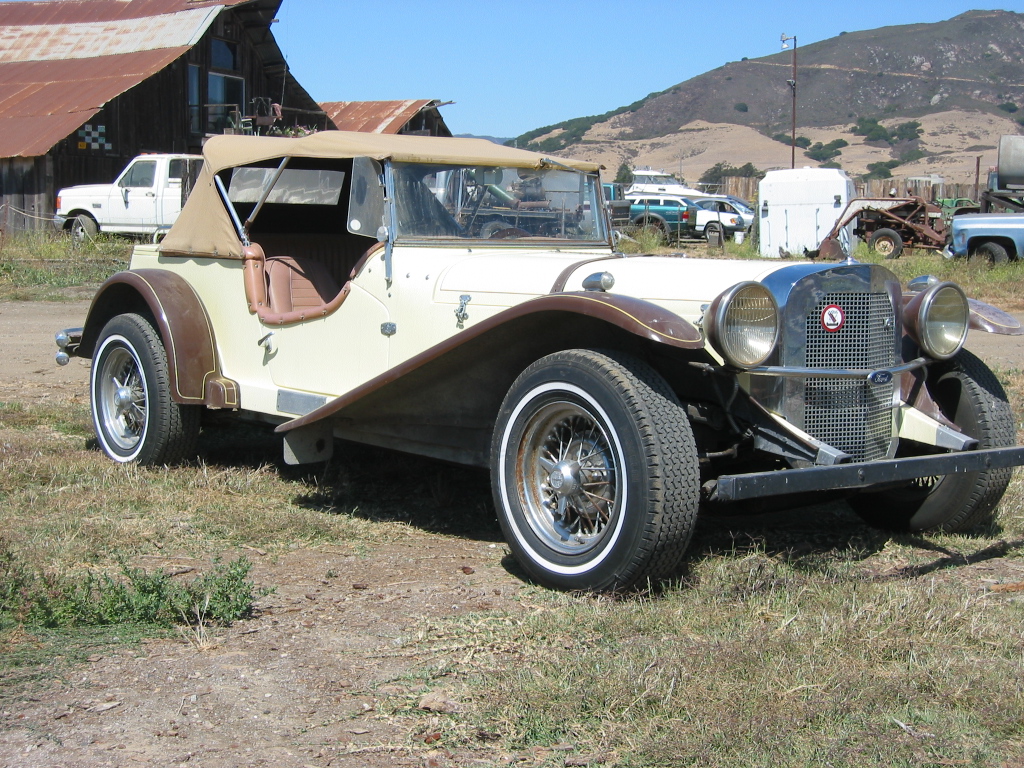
x=521, y=64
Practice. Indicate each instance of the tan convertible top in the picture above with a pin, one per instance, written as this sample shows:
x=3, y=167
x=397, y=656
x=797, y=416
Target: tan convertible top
x=204, y=226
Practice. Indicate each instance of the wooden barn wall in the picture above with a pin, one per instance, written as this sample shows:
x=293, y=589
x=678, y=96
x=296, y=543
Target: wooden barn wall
x=151, y=117
x=25, y=197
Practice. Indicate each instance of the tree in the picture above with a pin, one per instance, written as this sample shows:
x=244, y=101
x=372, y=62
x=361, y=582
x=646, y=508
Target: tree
x=718, y=171
x=741, y=107
x=871, y=130
x=907, y=131
x=881, y=170
x=624, y=174
x=825, y=152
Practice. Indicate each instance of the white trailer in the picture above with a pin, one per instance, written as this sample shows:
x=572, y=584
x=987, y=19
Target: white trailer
x=797, y=208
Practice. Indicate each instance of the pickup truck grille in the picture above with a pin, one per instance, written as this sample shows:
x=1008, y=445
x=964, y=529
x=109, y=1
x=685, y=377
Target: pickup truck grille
x=852, y=415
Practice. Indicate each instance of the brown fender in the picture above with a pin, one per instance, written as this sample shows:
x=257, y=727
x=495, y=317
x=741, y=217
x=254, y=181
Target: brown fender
x=985, y=317
x=183, y=326
x=634, y=316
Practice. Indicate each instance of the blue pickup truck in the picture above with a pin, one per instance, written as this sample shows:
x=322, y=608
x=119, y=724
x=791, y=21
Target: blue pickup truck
x=996, y=237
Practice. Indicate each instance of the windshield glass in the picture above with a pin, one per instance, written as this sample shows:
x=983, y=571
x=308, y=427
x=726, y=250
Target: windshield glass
x=655, y=178
x=445, y=201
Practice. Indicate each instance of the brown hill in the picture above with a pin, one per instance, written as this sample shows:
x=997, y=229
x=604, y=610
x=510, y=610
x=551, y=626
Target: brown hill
x=961, y=79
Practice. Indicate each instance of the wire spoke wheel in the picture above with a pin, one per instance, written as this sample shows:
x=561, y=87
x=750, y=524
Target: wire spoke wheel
x=569, y=477
x=122, y=399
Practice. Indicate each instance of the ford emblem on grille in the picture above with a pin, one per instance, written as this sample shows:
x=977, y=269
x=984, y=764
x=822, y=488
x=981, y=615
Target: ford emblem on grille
x=832, y=318
x=880, y=377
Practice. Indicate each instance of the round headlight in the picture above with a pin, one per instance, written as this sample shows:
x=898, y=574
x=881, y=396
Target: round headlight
x=938, y=319
x=743, y=324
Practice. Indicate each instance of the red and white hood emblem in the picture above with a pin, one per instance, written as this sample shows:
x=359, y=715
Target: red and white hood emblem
x=833, y=318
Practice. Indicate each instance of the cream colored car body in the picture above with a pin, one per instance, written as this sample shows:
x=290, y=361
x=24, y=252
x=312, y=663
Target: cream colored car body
x=333, y=355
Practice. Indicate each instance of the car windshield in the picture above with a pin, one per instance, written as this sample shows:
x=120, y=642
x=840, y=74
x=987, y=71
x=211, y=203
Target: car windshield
x=446, y=201
x=662, y=179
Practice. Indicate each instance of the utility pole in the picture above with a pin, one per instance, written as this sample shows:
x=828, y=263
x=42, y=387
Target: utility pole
x=792, y=87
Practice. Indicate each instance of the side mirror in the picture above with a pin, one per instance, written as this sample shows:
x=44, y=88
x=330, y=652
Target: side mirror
x=382, y=234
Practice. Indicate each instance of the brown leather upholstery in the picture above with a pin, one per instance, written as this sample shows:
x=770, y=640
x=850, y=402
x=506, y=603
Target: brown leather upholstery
x=254, y=263
x=285, y=289
x=294, y=284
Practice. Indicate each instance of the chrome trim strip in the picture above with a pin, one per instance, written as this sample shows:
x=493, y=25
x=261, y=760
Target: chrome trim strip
x=835, y=373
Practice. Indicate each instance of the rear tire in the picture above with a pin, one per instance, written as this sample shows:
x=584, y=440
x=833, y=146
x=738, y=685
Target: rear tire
x=594, y=472
x=970, y=396
x=886, y=243
x=133, y=413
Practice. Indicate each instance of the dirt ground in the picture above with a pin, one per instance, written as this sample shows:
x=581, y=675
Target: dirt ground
x=301, y=684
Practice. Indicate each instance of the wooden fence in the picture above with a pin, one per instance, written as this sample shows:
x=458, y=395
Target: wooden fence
x=746, y=188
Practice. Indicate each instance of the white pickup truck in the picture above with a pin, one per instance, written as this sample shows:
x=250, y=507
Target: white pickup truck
x=143, y=201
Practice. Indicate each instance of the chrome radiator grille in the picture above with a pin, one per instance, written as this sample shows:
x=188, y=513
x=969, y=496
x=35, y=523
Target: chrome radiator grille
x=849, y=414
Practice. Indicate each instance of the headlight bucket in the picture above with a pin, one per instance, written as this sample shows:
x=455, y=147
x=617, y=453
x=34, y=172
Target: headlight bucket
x=938, y=319
x=742, y=324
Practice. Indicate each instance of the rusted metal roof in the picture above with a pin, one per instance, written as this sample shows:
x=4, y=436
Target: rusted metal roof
x=61, y=62
x=48, y=12
x=42, y=102
x=375, y=116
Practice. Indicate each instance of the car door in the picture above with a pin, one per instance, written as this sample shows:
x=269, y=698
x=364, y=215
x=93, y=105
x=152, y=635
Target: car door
x=132, y=205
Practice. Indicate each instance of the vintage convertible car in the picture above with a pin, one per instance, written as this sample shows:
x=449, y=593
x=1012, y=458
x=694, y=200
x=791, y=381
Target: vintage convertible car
x=463, y=300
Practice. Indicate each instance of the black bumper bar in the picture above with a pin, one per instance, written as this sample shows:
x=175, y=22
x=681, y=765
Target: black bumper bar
x=864, y=475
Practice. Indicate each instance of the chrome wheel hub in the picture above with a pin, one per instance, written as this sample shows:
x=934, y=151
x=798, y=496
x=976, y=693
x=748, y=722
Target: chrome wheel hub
x=564, y=478
x=123, y=399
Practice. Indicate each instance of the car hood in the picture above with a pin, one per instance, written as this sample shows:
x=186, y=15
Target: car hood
x=504, y=278
x=85, y=189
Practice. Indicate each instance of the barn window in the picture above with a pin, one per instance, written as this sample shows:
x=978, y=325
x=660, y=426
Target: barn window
x=223, y=55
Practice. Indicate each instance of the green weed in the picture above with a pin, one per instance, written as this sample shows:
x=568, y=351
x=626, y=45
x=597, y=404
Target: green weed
x=37, y=599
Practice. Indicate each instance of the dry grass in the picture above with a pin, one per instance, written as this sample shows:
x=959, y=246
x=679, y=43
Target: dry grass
x=65, y=504
x=44, y=265
x=806, y=639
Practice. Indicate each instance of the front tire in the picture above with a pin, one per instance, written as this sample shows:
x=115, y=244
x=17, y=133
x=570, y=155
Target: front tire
x=970, y=396
x=594, y=472
x=132, y=411
x=993, y=253
x=83, y=229
x=886, y=242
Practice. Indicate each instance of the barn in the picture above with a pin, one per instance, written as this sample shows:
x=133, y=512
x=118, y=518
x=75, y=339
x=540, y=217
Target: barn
x=86, y=85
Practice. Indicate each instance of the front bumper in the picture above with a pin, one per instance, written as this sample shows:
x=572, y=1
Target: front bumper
x=68, y=341
x=862, y=475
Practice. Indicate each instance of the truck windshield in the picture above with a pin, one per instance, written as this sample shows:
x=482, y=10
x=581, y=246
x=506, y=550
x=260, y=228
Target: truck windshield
x=446, y=202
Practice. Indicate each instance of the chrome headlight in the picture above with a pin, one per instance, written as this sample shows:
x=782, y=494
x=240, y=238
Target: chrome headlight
x=743, y=324
x=938, y=319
